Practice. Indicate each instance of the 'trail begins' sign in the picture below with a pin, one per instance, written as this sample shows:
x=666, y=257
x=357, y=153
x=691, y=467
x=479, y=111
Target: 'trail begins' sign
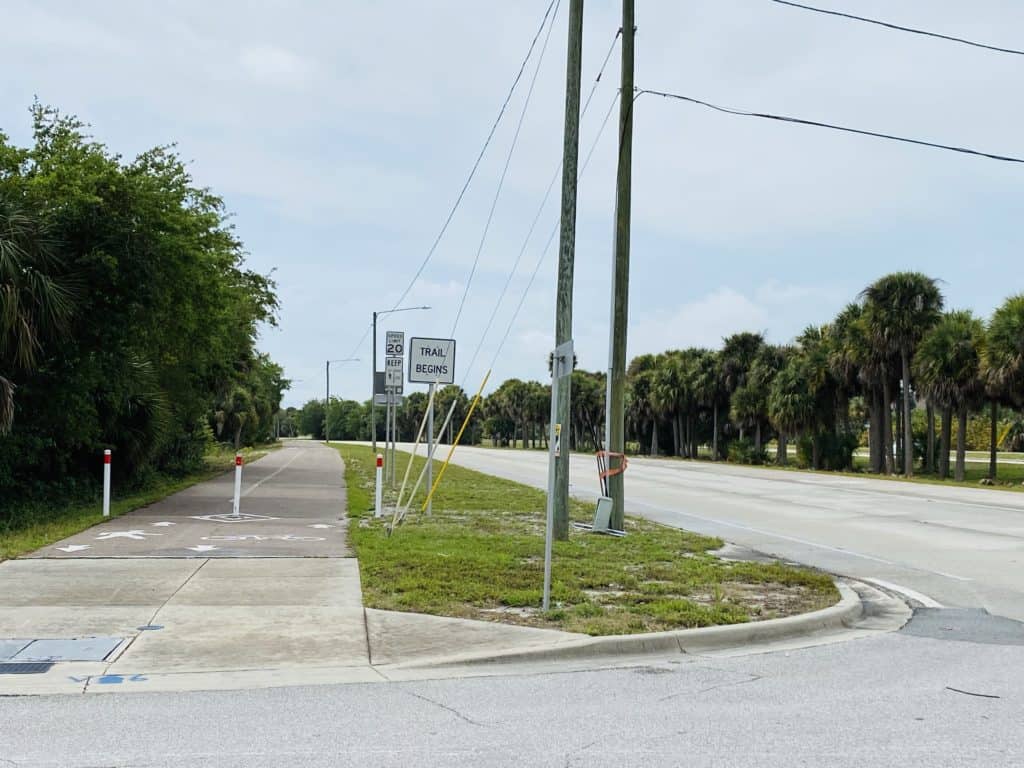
x=431, y=360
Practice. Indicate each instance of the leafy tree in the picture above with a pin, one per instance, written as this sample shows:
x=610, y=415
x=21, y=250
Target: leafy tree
x=37, y=301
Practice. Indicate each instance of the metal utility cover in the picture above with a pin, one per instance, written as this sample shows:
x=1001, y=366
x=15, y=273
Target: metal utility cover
x=9, y=648
x=77, y=649
x=30, y=668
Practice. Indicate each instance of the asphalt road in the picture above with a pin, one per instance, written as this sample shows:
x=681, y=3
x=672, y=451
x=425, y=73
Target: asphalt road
x=952, y=546
x=881, y=701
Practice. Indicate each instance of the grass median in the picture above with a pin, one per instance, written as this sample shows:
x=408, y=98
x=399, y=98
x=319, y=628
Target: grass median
x=36, y=524
x=480, y=555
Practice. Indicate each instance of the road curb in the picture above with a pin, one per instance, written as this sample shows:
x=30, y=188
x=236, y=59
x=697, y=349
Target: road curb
x=842, y=615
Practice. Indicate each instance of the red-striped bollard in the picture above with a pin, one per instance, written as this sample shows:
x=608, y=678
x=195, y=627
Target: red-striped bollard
x=378, y=510
x=106, y=483
x=238, y=485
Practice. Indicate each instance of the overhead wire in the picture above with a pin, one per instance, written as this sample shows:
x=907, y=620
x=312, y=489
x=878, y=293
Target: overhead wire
x=547, y=246
x=483, y=150
x=472, y=172
x=830, y=126
x=889, y=25
x=504, y=170
x=540, y=210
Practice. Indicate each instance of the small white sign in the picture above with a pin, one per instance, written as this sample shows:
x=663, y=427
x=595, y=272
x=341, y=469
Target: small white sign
x=431, y=360
x=393, y=374
x=394, y=344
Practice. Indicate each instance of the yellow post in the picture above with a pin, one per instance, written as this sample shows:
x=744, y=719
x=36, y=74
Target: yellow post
x=458, y=437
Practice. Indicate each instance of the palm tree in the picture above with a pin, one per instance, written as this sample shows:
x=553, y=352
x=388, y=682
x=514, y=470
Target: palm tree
x=792, y=406
x=1004, y=364
x=899, y=309
x=35, y=303
x=709, y=391
x=948, y=366
x=640, y=380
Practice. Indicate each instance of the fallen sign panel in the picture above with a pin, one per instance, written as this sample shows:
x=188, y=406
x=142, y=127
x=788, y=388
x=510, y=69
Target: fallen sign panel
x=431, y=360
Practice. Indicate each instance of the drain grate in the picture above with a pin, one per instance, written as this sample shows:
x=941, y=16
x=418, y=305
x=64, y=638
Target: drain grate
x=26, y=668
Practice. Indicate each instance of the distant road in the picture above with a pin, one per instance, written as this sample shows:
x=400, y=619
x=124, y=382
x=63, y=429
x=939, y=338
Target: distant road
x=958, y=546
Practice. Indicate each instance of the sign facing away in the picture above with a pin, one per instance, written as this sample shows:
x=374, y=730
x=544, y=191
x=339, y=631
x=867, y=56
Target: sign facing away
x=431, y=360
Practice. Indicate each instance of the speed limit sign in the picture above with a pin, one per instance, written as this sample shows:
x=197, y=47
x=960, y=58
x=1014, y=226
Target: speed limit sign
x=394, y=344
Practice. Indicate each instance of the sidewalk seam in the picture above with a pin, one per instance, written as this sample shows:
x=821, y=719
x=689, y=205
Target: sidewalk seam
x=156, y=613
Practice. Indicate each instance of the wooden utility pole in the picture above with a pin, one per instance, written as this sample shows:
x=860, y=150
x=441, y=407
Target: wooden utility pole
x=615, y=426
x=567, y=256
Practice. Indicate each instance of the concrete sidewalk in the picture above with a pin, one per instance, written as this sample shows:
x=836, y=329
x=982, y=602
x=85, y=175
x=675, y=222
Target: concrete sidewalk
x=181, y=595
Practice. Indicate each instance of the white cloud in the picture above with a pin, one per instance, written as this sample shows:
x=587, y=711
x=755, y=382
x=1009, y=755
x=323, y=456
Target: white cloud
x=270, y=64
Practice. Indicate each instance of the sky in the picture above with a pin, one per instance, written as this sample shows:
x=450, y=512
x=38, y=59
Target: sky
x=340, y=133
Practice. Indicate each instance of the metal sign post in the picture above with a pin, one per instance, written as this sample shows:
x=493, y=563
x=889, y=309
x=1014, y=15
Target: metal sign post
x=561, y=368
x=430, y=445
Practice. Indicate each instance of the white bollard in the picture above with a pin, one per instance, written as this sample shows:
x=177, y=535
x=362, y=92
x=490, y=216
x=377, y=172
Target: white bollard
x=378, y=511
x=238, y=484
x=106, y=483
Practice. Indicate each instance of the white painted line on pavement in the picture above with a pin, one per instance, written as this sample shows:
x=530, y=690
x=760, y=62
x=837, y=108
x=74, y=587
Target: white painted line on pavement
x=924, y=600
x=272, y=475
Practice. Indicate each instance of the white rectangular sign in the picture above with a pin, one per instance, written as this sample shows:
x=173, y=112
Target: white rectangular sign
x=394, y=344
x=393, y=374
x=431, y=360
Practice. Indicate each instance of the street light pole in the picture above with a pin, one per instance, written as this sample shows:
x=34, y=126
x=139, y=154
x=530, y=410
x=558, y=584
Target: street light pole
x=373, y=378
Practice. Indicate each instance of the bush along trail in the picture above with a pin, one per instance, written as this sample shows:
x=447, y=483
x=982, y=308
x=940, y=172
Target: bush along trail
x=480, y=556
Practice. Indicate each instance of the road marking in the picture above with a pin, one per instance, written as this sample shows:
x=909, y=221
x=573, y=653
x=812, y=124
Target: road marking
x=924, y=600
x=136, y=535
x=257, y=537
x=272, y=475
x=74, y=547
x=321, y=525
x=227, y=517
x=203, y=548
x=162, y=525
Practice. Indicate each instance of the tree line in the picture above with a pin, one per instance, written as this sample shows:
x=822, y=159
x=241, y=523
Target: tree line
x=128, y=319
x=894, y=372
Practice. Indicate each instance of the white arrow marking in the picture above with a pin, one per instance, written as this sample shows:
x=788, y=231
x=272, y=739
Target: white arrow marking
x=202, y=548
x=74, y=548
x=321, y=525
x=161, y=525
x=137, y=535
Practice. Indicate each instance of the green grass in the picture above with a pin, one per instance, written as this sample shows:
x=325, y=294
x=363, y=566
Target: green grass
x=37, y=524
x=1010, y=477
x=481, y=556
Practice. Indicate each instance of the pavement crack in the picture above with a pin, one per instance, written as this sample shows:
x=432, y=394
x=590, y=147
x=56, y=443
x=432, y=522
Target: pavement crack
x=751, y=679
x=366, y=631
x=151, y=621
x=972, y=693
x=452, y=710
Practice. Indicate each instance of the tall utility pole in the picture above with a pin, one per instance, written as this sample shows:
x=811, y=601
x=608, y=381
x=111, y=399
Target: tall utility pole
x=567, y=256
x=615, y=421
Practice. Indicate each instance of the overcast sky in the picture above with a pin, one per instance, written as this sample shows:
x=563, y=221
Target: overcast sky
x=339, y=134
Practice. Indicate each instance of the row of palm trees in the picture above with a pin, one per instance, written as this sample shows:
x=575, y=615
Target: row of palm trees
x=890, y=352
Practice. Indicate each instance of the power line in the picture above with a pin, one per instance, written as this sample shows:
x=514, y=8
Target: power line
x=551, y=238
x=898, y=27
x=504, y=171
x=540, y=211
x=817, y=124
x=476, y=164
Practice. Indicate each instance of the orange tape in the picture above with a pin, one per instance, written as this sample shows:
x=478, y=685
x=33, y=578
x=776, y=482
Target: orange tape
x=609, y=455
